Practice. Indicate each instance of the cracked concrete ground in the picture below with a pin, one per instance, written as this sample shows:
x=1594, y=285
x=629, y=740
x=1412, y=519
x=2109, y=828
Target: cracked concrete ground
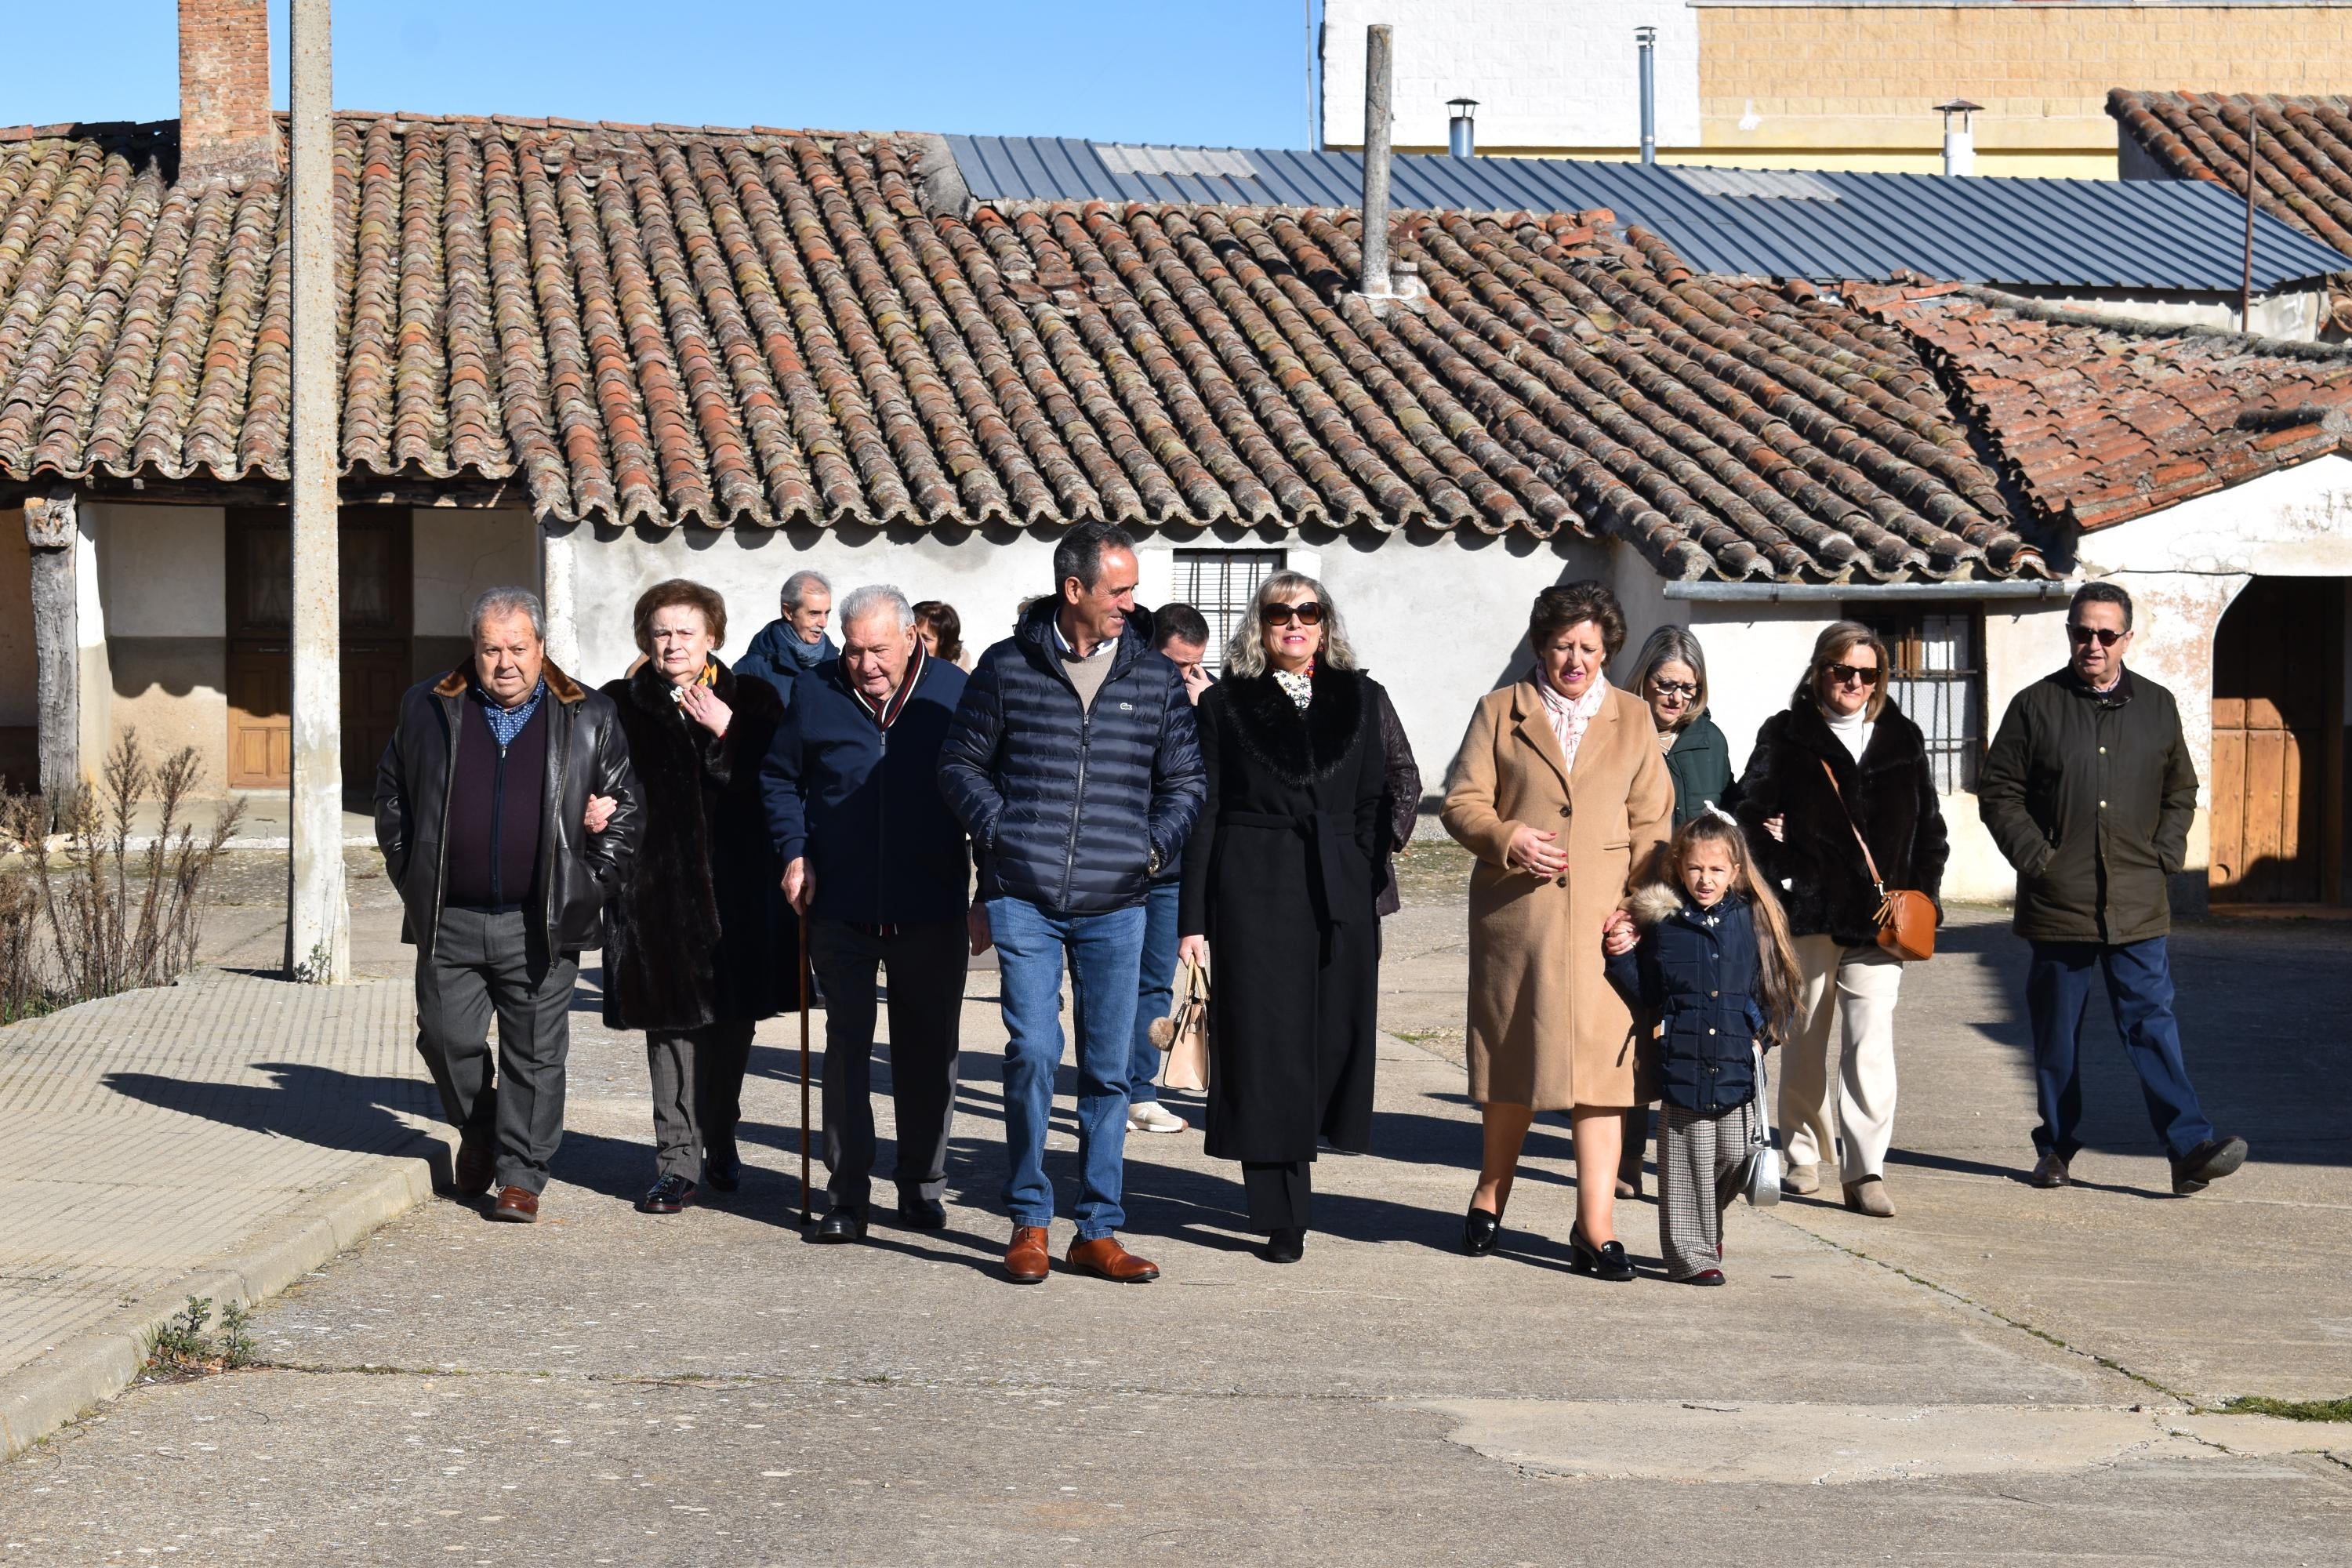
x=1997, y=1374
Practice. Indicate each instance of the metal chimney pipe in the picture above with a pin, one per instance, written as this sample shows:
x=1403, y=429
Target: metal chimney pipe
x=1960, y=139
x=1646, y=40
x=1462, y=130
x=1373, y=276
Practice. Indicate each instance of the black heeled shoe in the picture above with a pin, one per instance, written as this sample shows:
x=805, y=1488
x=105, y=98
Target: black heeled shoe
x=1606, y=1261
x=1287, y=1244
x=1479, y=1231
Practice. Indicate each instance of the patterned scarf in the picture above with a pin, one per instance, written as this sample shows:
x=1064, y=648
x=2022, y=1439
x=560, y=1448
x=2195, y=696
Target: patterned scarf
x=505, y=723
x=886, y=712
x=1298, y=685
x=1569, y=719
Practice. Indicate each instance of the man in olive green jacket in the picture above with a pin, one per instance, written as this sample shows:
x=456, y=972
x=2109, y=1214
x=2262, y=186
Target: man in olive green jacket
x=2089, y=792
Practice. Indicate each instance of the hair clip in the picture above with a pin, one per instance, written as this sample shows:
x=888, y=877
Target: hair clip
x=1720, y=815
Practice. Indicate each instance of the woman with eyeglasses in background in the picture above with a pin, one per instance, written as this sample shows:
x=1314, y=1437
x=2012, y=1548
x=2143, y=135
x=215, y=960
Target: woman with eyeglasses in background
x=1671, y=676
x=1843, y=759
x=1279, y=900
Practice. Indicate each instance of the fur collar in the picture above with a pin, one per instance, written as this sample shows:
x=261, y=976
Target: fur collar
x=649, y=691
x=1662, y=901
x=1807, y=728
x=1298, y=748
x=560, y=685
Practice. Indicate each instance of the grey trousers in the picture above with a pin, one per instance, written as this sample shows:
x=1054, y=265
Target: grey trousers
x=697, y=1078
x=1699, y=1161
x=479, y=966
x=927, y=965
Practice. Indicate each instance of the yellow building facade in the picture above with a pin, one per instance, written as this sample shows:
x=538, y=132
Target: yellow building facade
x=1804, y=84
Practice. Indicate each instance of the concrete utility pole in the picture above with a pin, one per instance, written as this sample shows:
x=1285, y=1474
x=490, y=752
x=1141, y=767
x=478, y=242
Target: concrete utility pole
x=1372, y=276
x=318, y=920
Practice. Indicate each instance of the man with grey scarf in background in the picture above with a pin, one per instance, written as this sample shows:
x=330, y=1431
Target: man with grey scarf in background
x=796, y=640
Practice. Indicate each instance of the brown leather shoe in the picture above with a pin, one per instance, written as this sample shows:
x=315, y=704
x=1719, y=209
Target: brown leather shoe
x=1028, y=1259
x=2049, y=1171
x=516, y=1206
x=1105, y=1259
x=477, y=1166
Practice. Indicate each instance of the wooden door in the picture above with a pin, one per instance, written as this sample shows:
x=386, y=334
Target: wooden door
x=2278, y=723
x=375, y=575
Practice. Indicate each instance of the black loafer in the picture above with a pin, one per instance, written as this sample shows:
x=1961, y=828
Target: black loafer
x=922, y=1214
x=722, y=1167
x=2207, y=1164
x=1479, y=1231
x=667, y=1196
x=1606, y=1261
x=840, y=1225
x=1287, y=1244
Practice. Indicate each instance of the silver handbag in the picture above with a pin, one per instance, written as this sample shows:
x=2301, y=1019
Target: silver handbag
x=1759, y=1180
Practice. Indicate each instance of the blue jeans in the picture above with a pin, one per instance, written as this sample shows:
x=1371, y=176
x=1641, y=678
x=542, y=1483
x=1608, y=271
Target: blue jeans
x=1103, y=951
x=2139, y=990
x=1155, y=989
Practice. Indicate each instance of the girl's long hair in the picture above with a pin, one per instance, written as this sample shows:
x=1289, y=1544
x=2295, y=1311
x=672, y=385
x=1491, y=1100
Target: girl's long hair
x=1780, y=980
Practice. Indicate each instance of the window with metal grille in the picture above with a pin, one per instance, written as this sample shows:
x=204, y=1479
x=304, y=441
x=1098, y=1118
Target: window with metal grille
x=1220, y=584
x=1938, y=683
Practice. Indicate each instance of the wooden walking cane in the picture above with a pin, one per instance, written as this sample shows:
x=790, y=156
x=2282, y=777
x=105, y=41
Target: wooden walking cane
x=804, y=1071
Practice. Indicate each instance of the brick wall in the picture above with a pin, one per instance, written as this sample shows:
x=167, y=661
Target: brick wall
x=1865, y=78
x=225, y=120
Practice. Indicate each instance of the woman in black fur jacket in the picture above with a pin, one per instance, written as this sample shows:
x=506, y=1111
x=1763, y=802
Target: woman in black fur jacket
x=1843, y=757
x=689, y=954
x=1278, y=883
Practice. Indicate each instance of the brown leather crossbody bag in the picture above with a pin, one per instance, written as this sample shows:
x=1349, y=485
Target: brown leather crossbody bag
x=1907, y=919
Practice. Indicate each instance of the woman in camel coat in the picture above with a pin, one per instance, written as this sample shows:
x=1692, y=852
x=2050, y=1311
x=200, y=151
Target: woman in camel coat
x=1560, y=790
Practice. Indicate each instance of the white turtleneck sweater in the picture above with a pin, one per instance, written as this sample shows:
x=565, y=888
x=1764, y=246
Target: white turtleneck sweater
x=1853, y=730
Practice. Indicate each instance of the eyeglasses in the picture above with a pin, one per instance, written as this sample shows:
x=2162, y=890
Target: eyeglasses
x=1851, y=674
x=1309, y=613
x=1674, y=688
x=2108, y=635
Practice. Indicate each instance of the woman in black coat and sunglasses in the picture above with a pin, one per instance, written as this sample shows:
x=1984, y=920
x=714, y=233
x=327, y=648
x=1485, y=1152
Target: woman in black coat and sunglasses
x=1278, y=886
x=1841, y=761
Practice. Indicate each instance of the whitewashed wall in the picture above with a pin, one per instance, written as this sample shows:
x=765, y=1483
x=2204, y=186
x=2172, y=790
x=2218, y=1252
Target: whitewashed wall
x=1546, y=73
x=162, y=587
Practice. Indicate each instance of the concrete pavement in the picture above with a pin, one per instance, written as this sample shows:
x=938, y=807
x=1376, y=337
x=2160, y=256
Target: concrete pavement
x=608, y=1386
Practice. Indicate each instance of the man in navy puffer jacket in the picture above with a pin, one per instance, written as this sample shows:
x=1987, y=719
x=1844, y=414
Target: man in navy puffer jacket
x=1073, y=764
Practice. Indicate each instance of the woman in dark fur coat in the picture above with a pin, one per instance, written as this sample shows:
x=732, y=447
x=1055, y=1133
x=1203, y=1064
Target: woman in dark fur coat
x=1842, y=726
x=689, y=953
x=1278, y=883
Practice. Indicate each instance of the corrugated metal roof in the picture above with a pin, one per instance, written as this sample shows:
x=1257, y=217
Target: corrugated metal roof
x=1821, y=224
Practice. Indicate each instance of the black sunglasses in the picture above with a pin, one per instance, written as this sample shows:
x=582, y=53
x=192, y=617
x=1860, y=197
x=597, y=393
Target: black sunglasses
x=1309, y=613
x=2108, y=635
x=1851, y=674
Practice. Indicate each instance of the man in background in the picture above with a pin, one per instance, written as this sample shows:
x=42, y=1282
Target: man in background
x=1181, y=635
x=796, y=640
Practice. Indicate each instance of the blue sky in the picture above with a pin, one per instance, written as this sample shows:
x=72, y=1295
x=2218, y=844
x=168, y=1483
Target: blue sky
x=1217, y=72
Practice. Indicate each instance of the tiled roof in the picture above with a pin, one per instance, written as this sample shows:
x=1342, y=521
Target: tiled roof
x=2100, y=422
x=664, y=325
x=2304, y=151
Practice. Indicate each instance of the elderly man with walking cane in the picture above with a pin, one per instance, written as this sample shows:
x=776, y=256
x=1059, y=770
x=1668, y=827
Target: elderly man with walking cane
x=876, y=865
x=2089, y=792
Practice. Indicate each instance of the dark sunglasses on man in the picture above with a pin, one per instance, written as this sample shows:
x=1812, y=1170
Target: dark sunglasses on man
x=1309, y=613
x=2108, y=635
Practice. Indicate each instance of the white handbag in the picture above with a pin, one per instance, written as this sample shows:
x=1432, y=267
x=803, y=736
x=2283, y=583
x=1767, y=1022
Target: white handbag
x=1760, y=1182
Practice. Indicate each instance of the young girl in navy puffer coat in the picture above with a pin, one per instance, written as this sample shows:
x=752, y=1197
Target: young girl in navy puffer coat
x=1708, y=957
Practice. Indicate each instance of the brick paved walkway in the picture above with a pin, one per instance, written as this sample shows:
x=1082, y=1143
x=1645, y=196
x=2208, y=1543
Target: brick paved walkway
x=148, y=1139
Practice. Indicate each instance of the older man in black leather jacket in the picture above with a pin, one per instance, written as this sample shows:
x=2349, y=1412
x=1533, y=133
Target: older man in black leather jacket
x=507, y=814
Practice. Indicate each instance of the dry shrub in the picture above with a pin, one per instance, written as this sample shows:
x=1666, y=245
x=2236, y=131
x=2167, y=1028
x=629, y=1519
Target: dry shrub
x=100, y=915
